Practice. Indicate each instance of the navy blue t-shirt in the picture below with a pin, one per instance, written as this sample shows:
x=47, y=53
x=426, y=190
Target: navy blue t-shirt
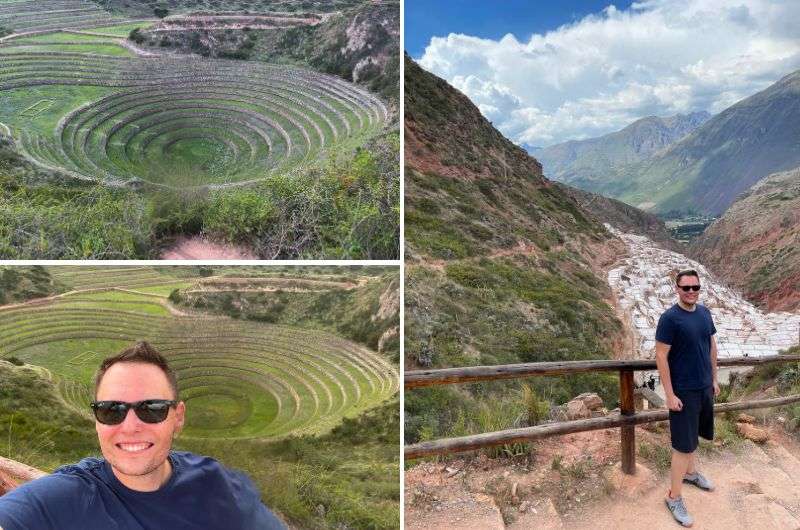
x=689, y=335
x=200, y=493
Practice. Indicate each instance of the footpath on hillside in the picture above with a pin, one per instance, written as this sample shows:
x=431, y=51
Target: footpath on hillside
x=575, y=482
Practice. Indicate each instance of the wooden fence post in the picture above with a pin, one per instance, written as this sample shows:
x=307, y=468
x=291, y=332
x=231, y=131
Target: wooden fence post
x=627, y=408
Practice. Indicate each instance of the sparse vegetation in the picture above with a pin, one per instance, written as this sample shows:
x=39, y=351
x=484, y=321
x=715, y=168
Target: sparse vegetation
x=496, y=271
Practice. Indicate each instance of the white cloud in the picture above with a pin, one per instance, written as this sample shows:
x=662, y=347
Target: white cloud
x=600, y=73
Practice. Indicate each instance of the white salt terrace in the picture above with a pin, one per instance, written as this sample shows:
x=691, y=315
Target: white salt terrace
x=644, y=289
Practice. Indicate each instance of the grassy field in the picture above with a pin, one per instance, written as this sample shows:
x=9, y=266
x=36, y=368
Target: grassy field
x=293, y=405
x=141, y=148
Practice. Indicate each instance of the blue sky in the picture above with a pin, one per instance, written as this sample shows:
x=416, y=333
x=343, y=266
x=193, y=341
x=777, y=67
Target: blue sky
x=426, y=19
x=544, y=72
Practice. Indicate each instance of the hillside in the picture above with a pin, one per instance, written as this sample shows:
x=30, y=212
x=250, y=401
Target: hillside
x=364, y=309
x=19, y=285
x=501, y=266
x=755, y=245
x=359, y=43
x=705, y=171
x=621, y=216
x=590, y=164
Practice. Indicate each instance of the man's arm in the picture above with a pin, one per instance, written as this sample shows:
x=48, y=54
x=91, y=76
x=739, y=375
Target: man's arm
x=714, y=382
x=662, y=350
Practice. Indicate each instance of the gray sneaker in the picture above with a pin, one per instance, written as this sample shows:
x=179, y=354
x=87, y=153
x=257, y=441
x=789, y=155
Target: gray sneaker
x=678, y=510
x=699, y=480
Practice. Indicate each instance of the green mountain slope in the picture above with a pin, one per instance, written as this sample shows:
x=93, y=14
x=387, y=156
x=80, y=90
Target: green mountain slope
x=708, y=169
x=591, y=164
x=501, y=266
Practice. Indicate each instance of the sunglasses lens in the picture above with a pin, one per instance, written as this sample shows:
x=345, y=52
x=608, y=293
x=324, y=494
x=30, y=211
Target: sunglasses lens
x=111, y=413
x=687, y=288
x=152, y=412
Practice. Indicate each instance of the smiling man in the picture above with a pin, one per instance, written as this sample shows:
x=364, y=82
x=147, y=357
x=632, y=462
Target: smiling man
x=140, y=484
x=686, y=355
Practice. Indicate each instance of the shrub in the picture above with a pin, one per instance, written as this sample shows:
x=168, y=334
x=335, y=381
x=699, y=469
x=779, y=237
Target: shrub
x=137, y=36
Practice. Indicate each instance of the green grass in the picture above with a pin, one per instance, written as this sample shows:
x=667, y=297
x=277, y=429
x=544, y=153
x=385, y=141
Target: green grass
x=88, y=48
x=123, y=30
x=57, y=37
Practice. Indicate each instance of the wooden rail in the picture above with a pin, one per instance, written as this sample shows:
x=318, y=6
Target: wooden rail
x=626, y=420
x=469, y=374
x=12, y=474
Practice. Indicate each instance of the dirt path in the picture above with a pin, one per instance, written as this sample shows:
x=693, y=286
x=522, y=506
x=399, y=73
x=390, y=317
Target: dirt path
x=758, y=487
x=200, y=248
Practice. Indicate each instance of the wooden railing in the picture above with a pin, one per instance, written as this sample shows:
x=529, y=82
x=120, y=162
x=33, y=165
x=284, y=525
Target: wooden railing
x=626, y=420
x=12, y=474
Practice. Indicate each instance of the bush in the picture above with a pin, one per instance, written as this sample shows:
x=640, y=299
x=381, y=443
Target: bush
x=137, y=36
x=161, y=12
x=238, y=216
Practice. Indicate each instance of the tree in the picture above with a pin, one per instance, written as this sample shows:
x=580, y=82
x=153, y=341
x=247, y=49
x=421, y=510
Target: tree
x=161, y=12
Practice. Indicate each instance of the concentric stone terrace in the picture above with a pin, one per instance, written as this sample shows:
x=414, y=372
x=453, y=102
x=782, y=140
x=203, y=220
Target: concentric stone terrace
x=239, y=379
x=178, y=121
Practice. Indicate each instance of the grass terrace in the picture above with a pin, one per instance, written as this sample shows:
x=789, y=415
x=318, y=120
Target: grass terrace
x=29, y=16
x=175, y=122
x=240, y=379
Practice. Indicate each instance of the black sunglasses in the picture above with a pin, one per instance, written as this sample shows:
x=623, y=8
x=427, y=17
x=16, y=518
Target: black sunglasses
x=687, y=288
x=115, y=412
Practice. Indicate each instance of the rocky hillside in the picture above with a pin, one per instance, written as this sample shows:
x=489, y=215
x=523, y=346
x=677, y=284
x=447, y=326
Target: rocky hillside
x=360, y=43
x=590, y=164
x=364, y=309
x=501, y=266
x=19, y=284
x=623, y=216
x=756, y=244
x=705, y=171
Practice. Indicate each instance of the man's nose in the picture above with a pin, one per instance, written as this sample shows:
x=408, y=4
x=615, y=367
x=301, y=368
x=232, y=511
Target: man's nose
x=131, y=422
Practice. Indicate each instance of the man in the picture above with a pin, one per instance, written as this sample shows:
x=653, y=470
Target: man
x=140, y=484
x=686, y=355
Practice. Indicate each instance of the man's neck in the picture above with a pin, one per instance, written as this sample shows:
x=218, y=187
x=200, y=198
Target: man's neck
x=687, y=307
x=150, y=482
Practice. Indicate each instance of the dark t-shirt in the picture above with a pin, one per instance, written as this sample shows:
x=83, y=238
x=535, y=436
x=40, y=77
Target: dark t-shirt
x=689, y=335
x=200, y=494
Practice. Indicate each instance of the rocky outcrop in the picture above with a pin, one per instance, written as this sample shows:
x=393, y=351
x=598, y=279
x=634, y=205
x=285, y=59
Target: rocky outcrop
x=755, y=246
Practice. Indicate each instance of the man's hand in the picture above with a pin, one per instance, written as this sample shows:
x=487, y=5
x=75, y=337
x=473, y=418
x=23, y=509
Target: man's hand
x=674, y=403
x=716, y=389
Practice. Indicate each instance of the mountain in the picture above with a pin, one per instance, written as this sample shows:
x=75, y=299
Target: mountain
x=623, y=216
x=589, y=164
x=705, y=171
x=502, y=266
x=756, y=245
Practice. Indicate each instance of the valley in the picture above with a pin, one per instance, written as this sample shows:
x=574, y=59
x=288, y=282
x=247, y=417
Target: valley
x=222, y=146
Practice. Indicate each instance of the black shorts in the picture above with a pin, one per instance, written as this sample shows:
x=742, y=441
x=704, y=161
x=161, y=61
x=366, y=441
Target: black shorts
x=695, y=419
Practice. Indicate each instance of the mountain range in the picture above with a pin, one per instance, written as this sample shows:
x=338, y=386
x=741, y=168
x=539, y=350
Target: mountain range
x=701, y=173
x=590, y=164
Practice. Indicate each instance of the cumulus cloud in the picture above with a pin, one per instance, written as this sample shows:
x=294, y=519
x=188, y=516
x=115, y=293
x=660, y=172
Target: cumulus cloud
x=598, y=74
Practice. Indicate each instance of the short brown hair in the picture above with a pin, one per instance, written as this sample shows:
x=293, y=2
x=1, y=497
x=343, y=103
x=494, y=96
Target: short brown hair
x=141, y=352
x=687, y=272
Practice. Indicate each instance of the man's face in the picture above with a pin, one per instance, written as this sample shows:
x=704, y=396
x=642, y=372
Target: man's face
x=137, y=451
x=688, y=298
